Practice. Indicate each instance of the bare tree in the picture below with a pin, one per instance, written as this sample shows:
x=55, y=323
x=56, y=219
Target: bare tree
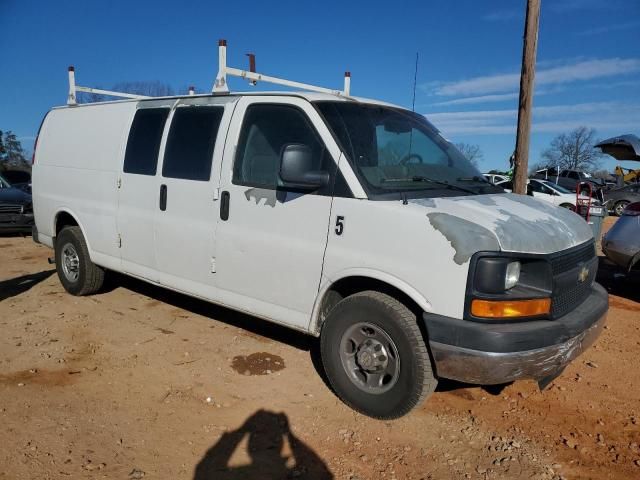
x=574, y=150
x=471, y=152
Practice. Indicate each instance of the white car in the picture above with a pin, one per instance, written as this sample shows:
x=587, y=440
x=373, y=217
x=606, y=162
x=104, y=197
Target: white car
x=348, y=219
x=548, y=191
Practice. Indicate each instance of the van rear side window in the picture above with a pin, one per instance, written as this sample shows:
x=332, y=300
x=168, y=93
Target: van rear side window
x=191, y=141
x=143, y=145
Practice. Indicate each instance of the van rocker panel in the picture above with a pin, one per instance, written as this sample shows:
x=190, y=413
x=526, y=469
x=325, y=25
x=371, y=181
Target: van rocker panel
x=490, y=354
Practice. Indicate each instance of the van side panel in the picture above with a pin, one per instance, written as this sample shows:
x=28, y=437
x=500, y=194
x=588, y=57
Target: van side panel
x=76, y=170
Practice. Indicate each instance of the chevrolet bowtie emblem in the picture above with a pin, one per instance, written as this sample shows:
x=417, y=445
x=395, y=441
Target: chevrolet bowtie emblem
x=583, y=275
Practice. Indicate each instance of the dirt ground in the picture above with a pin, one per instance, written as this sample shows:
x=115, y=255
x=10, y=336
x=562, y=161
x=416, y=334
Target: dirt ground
x=138, y=382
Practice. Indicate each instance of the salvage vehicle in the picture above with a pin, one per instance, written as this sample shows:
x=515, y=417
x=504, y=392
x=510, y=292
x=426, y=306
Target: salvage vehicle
x=547, y=191
x=349, y=219
x=570, y=179
x=16, y=209
x=621, y=244
x=19, y=179
x=618, y=198
x=623, y=147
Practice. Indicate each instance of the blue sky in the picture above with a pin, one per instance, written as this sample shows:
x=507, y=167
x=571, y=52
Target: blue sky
x=588, y=69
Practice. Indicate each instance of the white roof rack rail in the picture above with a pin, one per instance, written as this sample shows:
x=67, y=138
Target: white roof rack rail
x=221, y=86
x=73, y=89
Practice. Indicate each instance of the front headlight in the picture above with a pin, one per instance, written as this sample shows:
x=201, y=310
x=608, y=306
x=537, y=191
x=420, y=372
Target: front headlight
x=496, y=275
x=512, y=275
x=508, y=287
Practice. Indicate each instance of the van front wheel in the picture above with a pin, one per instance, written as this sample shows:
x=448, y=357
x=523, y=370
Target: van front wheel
x=78, y=274
x=375, y=357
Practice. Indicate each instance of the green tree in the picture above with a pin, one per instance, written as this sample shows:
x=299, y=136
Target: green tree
x=2, y=150
x=12, y=154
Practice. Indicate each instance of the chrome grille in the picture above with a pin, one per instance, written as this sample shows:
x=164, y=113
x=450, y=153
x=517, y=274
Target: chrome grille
x=569, y=290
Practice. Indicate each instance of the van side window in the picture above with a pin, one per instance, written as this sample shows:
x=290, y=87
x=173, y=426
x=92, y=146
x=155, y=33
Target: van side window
x=265, y=131
x=141, y=156
x=192, y=138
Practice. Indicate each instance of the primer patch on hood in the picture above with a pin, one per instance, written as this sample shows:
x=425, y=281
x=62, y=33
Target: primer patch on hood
x=508, y=222
x=465, y=237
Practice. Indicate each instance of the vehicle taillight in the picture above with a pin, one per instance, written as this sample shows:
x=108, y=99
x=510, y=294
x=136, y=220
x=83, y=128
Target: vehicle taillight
x=35, y=144
x=33, y=155
x=632, y=210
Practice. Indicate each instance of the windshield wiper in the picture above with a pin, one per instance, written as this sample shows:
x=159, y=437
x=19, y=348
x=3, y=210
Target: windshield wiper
x=451, y=186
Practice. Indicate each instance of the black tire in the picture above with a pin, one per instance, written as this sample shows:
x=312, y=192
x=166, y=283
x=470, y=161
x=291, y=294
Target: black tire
x=569, y=206
x=619, y=207
x=78, y=278
x=414, y=377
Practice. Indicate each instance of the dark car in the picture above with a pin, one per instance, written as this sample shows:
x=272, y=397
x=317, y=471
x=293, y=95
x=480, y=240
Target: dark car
x=618, y=198
x=621, y=244
x=16, y=209
x=18, y=179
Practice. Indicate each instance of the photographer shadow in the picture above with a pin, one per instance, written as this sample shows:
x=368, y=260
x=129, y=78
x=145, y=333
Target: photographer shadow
x=266, y=432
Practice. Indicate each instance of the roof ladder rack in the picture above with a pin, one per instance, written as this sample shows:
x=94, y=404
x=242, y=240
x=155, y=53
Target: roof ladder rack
x=73, y=89
x=221, y=85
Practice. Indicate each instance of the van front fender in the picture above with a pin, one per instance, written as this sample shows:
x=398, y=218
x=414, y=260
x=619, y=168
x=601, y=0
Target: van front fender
x=380, y=276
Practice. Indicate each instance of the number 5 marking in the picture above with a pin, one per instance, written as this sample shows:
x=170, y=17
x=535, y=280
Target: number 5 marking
x=339, y=225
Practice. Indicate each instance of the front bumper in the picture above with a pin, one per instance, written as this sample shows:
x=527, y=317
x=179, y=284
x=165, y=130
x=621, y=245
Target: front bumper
x=22, y=222
x=490, y=354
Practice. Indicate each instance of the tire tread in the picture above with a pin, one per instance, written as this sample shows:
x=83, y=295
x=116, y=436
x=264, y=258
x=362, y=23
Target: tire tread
x=408, y=320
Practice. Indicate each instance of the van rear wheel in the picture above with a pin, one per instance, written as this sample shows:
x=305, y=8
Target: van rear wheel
x=78, y=274
x=375, y=357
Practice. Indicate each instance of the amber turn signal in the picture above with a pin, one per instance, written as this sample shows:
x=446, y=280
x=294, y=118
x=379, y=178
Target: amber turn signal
x=510, y=308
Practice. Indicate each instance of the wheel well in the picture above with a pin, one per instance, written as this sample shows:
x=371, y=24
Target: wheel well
x=64, y=219
x=351, y=285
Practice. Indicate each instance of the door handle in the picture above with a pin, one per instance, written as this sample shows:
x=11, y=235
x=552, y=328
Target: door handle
x=163, y=197
x=224, y=205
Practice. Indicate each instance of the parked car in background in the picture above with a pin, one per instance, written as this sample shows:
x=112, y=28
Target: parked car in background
x=16, y=209
x=623, y=147
x=570, y=179
x=617, y=199
x=495, y=177
x=547, y=191
x=621, y=244
x=18, y=179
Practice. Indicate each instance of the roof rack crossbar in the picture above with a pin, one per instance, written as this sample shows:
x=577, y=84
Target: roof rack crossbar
x=221, y=85
x=73, y=89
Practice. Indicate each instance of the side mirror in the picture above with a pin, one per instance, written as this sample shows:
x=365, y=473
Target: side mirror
x=296, y=163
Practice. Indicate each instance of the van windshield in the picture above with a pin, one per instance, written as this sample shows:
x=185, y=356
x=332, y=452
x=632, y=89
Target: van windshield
x=395, y=151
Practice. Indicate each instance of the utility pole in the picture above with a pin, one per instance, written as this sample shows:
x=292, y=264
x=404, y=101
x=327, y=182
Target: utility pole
x=527, y=76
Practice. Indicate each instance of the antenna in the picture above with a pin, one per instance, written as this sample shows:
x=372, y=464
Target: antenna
x=415, y=79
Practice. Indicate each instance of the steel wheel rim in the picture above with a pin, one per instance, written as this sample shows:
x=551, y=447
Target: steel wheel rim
x=370, y=358
x=70, y=262
x=620, y=208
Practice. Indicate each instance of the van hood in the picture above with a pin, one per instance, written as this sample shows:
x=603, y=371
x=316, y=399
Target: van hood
x=505, y=222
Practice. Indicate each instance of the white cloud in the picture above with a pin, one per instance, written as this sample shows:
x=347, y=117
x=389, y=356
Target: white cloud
x=606, y=116
x=611, y=27
x=578, y=71
x=479, y=99
x=564, y=6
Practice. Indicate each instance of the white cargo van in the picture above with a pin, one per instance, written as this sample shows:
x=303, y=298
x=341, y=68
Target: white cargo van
x=351, y=220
